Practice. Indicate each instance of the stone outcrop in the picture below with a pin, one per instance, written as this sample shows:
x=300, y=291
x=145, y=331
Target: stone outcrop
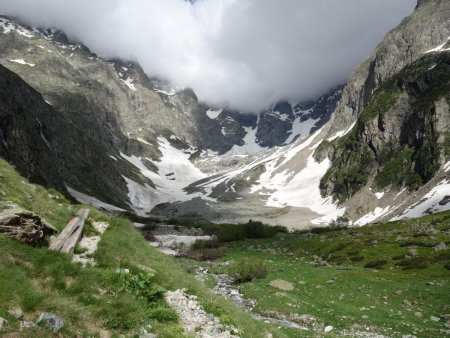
x=23, y=225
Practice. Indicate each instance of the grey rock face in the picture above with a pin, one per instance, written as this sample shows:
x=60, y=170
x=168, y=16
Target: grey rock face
x=426, y=28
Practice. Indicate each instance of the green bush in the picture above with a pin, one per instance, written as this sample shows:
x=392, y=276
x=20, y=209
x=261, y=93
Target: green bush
x=141, y=285
x=377, y=264
x=163, y=314
x=31, y=300
x=247, y=270
x=208, y=254
x=413, y=263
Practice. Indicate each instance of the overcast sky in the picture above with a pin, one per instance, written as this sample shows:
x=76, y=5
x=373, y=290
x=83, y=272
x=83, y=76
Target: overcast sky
x=245, y=53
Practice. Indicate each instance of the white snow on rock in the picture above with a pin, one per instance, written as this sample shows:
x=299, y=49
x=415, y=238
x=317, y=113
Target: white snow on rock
x=430, y=202
x=9, y=26
x=92, y=201
x=439, y=48
x=175, y=172
x=379, y=195
x=302, y=128
x=213, y=114
x=447, y=167
x=372, y=216
x=22, y=62
x=341, y=133
x=129, y=83
x=250, y=145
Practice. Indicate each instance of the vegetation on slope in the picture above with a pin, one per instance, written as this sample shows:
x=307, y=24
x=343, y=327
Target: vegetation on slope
x=406, y=102
x=388, y=279
x=97, y=298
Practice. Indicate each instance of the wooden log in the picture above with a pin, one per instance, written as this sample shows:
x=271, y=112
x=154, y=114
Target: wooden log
x=71, y=234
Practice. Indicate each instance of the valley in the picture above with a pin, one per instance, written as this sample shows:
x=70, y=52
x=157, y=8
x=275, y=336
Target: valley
x=324, y=217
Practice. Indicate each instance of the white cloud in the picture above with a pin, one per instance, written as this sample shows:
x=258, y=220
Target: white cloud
x=246, y=53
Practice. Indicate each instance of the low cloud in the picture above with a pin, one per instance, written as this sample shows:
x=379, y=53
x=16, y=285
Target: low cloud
x=244, y=53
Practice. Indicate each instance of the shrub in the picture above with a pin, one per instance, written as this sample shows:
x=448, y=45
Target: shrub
x=357, y=258
x=30, y=300
x=141, y=285
x=413, y=263
x=377, y=264
x=447, y=266
x=211, y=244
x=247, y=270
x=208, y=254
x=164, y=314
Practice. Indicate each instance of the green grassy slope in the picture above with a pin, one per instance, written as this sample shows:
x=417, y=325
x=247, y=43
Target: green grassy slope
x=94, y=299
x=409, y=285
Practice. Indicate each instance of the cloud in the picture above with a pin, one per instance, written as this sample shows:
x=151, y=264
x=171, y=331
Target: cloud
x=244, y=53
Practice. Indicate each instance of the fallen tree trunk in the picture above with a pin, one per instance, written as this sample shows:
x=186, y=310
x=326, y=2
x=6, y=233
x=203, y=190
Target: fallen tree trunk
x=71, y=234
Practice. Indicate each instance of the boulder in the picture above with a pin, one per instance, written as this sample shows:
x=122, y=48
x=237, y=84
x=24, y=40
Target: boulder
x=281, y=285
x=23, y=225
x=3, y=323
x=53, y=321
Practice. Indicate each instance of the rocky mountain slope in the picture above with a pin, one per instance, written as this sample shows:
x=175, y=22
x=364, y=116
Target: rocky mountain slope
x=120, y=140
x=125, y=139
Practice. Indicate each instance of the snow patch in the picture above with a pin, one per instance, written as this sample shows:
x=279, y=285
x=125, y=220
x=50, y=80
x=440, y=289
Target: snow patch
x=175, y=172
x=302, y=128
x=429, y=203
x=22, y=62
x=372, y=216
x=250, y=145
x=447, y=166
x=439, y=48
x=379, y=195
x=341, y=133
x=129, y=83
x=213, y=114
x=9, y=27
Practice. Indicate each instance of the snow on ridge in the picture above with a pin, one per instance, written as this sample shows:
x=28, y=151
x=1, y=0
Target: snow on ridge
x=22, y=62
x=439, y=48
x=429, y=203
x=341, y=133
x=213, y=114
x=129, y=83
x=9, y=26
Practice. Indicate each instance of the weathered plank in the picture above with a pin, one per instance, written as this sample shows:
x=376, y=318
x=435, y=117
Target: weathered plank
x=71, y=234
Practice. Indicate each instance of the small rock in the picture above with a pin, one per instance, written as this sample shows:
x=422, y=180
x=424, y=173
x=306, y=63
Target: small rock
x=434, y=319
x=328, y=328
x=398, y=292
x=446, y=317
x=51, y=320
x=406, y=303
x=429, y=283
x=16, y=313
x=27, y=325
x=105, y=334
x=282, y=285
x=3, y=323
x=365, y=317
x=440, y=247
x=331, y=281
x=418, y=314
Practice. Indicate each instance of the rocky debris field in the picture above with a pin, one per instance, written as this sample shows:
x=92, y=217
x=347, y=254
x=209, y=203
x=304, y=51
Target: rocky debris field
x=195, y=319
